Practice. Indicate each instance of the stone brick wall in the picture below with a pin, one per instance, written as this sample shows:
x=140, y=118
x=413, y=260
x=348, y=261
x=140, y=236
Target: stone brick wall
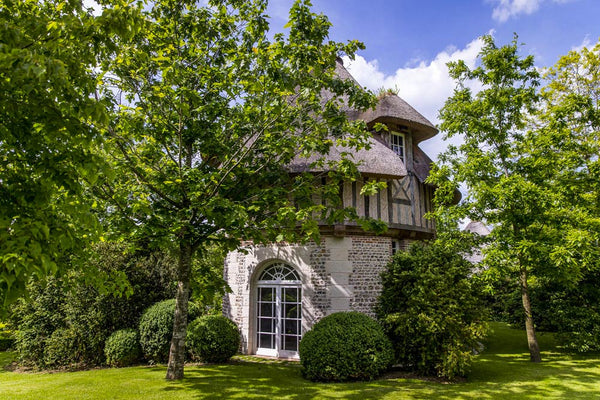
x=319, y=278
x=368, y=256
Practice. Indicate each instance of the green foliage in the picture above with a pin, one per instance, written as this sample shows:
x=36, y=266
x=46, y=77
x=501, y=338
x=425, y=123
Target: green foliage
x=212, y=339
x=530, y=163
x=156, y=329
x=122, y=348
x=7, y=339
x=62, y=348
x=431, y=309
x=77, y=306
x=207, y=283
x=508, y=163
x=573, y=312
x=345, y=346
x=49, y=120
x=37, y=319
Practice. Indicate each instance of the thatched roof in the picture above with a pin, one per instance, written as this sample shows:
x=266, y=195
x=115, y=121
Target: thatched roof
x=343, y=74
x=378, y=161
x=392, y=109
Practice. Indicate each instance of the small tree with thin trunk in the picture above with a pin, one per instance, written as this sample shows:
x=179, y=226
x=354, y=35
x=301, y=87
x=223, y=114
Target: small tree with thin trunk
x=209, y=111
x=490, y=162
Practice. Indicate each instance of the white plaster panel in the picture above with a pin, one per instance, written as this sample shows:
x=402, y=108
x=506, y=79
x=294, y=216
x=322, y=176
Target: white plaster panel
x=347, y=194
x=340, y=278
x=339, y=304
x=338, y=266
x=336, y=291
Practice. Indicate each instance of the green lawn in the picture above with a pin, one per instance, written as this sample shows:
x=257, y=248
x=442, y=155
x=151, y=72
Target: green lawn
x=501, y=372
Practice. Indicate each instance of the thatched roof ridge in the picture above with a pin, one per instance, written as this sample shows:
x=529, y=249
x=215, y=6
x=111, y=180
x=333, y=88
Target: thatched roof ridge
x=379, y=161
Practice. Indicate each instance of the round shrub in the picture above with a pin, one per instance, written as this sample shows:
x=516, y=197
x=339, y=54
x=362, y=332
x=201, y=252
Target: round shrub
x=213, y=339
x=122, y=348
x=345, y=346
x=156, y=329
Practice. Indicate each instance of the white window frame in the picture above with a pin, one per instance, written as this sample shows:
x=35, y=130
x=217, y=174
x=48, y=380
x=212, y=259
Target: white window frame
x=399, y=149
x=278, y=285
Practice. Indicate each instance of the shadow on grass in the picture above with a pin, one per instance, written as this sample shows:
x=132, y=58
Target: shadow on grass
x=495, y=376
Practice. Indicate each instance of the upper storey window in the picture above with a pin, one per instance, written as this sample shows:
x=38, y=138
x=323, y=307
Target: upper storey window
x=398, y=144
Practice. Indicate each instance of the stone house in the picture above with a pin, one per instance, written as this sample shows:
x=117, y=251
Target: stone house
x=280, y=291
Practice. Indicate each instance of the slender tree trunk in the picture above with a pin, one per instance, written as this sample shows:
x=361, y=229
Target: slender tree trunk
x=177, y=350
x=534, y=348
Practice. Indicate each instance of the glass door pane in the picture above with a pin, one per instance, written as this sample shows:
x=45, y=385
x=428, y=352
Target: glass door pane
x=266, y=317
x=290, y=321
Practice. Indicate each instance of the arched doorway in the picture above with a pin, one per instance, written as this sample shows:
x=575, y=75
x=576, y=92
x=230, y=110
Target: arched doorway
x=278, y=311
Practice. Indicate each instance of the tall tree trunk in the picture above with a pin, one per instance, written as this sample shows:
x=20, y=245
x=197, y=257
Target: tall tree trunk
x=534, y=348
x=177, y=350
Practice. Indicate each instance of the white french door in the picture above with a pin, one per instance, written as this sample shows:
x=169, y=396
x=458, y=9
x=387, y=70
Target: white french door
x=278, y=319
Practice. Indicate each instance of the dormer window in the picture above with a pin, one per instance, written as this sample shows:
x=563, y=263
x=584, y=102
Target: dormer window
x=397, y=142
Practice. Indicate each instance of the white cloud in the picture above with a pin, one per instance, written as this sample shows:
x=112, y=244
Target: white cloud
x=511, y=8
x=506, y=9
x=93, y=5
x=424, y=85
x=585, y=43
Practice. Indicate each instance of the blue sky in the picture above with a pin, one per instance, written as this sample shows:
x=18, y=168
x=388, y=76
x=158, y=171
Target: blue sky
x=408, y=42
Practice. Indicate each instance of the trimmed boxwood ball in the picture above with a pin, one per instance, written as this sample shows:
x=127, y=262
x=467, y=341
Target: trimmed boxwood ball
x=122, y=348
x=212, y=339
x=156, y=329
x=345, y=346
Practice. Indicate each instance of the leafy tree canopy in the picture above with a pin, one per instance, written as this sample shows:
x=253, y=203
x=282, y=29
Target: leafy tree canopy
x=527, y=160
x=209, y=111
x=49, y=117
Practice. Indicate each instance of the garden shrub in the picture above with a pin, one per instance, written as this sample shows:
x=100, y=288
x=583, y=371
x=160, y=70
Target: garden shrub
x=156, y=329
x=62, y=348
x=345, y=346
x=37, y=319
x=212, y=339
x=122, y=348
x=431, y=309
x=6, y=343
x=92, y=315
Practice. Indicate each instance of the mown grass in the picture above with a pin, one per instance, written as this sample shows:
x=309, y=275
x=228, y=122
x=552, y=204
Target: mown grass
x=503, y=371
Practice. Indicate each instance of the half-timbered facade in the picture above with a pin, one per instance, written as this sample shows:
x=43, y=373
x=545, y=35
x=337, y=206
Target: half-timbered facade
x=280, y=291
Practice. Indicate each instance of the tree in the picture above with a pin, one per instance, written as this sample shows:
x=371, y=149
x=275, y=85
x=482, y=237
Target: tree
x=504, y=189
x=431, y=309
x=209, y=111
x=569, y=137
x=48, y=129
